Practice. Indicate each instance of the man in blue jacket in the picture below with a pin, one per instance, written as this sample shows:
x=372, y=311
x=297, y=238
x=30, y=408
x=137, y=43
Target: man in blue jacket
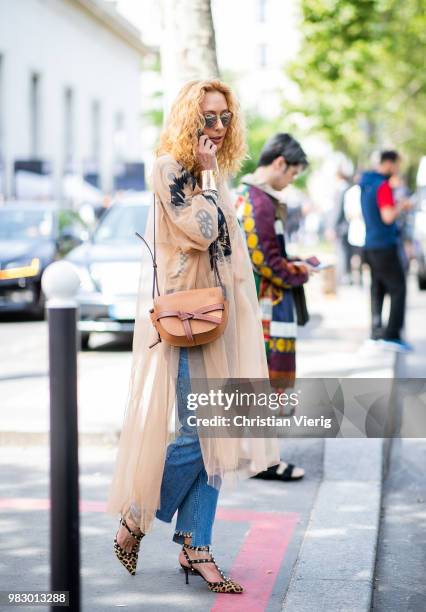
x=381, y=250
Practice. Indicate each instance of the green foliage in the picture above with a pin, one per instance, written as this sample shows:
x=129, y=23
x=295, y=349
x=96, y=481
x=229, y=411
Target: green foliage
x=152, y=61
x=68, y=218
x=154, y=116
x=361, y=74
x=259, y=130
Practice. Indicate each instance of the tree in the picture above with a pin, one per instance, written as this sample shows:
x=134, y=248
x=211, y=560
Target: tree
x=361, y=74
x=189, y=46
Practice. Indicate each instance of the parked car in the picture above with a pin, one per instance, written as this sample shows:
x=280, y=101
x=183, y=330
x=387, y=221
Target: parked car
x=33, y=235
x=109, y=265
x=419, y=232
x=420, y=245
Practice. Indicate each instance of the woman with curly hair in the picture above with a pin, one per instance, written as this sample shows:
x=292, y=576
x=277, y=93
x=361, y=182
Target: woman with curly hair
x=197, y=232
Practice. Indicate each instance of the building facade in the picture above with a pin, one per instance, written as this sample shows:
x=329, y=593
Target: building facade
x=255, y=39
x=70, y=89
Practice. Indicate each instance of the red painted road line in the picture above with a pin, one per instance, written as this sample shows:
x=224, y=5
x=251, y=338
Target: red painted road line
x=30, y=503
x=24, y=503
x=259, y=559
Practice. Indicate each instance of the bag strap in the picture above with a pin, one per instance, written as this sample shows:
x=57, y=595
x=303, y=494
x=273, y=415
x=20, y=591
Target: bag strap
x=217, y=277
x=213, y=254
x=153, y=257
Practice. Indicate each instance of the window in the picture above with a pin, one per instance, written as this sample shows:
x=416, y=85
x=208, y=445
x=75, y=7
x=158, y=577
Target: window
x=121, y=222
x=20, y=223
x=263, y=55
x=119, y=136
x=96, y=130
x=261, y=10
x=35, y=115
x=1, y=112
x=68, y=125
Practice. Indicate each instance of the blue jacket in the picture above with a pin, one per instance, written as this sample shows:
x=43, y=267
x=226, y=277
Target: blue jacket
x=378, y=235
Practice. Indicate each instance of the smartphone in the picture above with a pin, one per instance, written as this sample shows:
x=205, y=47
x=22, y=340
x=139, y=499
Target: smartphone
x=319, y=266
x=323, y=266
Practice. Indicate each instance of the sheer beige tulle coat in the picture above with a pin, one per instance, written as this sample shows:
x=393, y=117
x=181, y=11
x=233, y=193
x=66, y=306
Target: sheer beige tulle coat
x=186, y=224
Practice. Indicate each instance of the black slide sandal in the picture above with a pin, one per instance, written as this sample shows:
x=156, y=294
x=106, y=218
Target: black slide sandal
x=282, y=471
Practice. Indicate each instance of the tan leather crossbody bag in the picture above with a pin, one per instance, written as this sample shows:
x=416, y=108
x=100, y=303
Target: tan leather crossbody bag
x=188, y=318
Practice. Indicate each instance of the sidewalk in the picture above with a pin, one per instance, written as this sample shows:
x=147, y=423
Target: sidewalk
x=273, y=537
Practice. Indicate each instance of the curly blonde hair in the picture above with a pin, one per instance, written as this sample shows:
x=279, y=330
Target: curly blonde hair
x=179, y=135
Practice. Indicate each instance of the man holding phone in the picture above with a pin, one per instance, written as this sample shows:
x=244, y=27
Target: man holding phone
x=279, y=278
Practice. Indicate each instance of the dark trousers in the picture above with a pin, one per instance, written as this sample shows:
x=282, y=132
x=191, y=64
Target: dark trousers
x=387, y=277
x=344, y=257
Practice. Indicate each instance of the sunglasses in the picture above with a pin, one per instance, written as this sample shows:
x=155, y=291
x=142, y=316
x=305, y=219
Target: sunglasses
x=210, y=119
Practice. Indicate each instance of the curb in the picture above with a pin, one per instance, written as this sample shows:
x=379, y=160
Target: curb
x=335, y=568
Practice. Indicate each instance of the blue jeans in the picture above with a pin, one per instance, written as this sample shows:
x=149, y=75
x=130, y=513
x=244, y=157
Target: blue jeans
x=184, y=486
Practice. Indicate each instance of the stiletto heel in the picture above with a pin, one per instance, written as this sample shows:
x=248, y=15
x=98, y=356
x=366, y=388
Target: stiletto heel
x=227, y=585
x=186, y=572
x=128, y=559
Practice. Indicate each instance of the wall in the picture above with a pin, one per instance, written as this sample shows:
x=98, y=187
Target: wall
x=67, y=47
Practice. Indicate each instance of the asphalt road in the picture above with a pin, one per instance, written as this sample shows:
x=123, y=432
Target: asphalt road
x=400, y=583
x=24, y=385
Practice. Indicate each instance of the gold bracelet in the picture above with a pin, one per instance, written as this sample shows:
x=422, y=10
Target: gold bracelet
x=208, y=181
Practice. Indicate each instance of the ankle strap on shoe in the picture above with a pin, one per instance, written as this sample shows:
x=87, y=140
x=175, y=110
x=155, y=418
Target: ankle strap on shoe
x=196, y=547
x=209, y=559
x=138, y=536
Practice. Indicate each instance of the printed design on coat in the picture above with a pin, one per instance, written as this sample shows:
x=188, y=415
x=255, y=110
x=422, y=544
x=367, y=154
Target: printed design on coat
x=211, y=196
x=274, y=295
x=183, y=258
x=223, y=236
x=246, y=218
x=177, y=186
x=221, y=247
x=205, y=222
x=181, y=187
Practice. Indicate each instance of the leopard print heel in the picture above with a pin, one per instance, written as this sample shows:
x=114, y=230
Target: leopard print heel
x=227, y=585
x=128, y=559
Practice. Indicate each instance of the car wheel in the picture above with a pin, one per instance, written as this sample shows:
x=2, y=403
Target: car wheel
x=84, y=341
x=38, y=310
x=421, y=281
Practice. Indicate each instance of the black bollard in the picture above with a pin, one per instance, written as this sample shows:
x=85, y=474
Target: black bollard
x=60, y=284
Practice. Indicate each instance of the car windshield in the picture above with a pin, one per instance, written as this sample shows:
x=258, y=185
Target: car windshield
x=18, y=224
x=121, y=223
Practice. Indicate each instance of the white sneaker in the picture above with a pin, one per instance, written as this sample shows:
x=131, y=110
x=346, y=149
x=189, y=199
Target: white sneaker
x=398, y=346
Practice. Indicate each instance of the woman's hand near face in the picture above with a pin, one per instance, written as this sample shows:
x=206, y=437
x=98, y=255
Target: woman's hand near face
x=206, y=153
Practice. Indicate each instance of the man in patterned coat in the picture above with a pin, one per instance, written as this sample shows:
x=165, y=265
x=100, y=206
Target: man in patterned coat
x=262, y=213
